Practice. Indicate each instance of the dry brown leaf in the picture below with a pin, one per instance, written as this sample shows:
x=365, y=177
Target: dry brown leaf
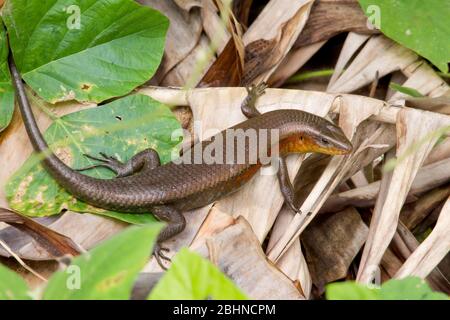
x=56, y=244
x=438, y=104
x=237, y=252
x=293, y=263
x=412, y=214
x=214, y=26
x=328, y=18
x=428, y=177
x=379, y=54
x=192, y=67
x=352, y=43
x=187, y=5
x=423, y=78
x=183, y=35
x=226, y=71
x=331, y=243
x=412, y=125
x=431, y=251
x=241, y=10
x=264, y=51
x=293, y=61
x=408, y=243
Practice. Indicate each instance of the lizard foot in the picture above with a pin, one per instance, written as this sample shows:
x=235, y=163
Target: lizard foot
x=107, y=162
x=158, y=252
x=256, y=91
x=294, y=208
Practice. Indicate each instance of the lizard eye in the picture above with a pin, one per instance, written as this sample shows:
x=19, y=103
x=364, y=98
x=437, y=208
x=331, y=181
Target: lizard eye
x=324, y=141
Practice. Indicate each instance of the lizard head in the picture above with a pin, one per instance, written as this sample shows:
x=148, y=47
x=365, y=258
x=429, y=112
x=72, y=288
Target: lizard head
x=314, y=134
x=329, y=139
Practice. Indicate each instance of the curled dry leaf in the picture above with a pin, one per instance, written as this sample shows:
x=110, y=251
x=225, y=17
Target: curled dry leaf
x=56, y=244
x=226, y=71
x=328, y=18
x=191, y=68
x=331, y=243
x=238, y=253
x=264, y=52
x=183, y=35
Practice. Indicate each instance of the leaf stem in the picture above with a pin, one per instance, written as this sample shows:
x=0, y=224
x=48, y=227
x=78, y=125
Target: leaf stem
x=309, y=75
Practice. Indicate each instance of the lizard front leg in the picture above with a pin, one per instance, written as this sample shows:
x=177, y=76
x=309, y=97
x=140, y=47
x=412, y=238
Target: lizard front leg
x=248, y=107
x=286, y=186
x=145, y=160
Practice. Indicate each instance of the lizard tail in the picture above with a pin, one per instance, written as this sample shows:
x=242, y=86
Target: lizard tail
x=51, y=162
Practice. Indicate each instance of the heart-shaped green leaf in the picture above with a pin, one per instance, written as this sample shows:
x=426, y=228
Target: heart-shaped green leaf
x=88, y=50
x=6, y=88
x=121, y=128
x=107, y=271
x=416, y=24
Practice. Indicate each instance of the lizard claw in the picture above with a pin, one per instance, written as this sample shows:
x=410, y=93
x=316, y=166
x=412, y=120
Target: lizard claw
x=109, y=162
x=158, y=252
x=294, y=208
x=257, y=91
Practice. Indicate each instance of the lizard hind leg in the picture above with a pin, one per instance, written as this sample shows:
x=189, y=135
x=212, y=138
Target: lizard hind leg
x=175, y=224
x=147, y=159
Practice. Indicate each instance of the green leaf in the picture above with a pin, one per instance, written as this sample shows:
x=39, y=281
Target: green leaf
x=88, y=50
x=6, y=88
x=303, y=76
x=121, y=128
x=351, y=290
x=406, y=90
x=416, y=24
x=107, y=271
x=410, y=288
x=195, y=278
x=12, y=286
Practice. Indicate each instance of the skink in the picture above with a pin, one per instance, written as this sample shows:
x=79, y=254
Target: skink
x=144, y=185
